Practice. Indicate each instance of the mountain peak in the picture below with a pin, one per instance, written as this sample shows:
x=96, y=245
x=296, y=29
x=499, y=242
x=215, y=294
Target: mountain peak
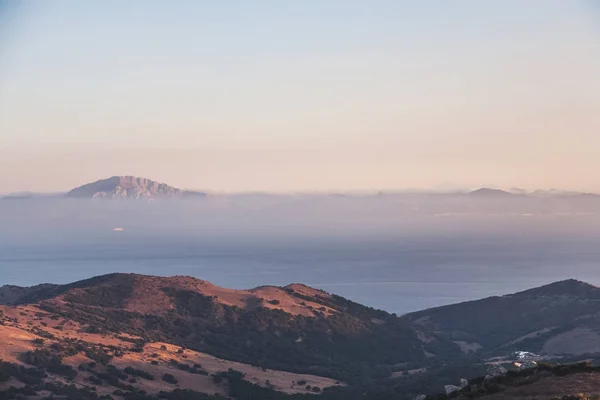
x=128, y=187
x=490, y=192
x=569, y=287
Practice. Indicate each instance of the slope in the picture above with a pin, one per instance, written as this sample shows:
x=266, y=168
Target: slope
x=562, y=317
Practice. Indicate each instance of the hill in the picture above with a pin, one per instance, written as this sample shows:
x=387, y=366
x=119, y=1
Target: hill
x=294, y=328
x=41, y=352
x=573, y=381
x=562, y=317
x=124, y=333
x=128, y=187
x=11, y=294
x=301, y=333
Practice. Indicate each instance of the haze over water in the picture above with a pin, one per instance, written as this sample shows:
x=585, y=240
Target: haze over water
x=399, y=261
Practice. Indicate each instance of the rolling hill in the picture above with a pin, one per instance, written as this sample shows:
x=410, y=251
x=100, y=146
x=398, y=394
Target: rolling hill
x=562, y=317
x=130, y=336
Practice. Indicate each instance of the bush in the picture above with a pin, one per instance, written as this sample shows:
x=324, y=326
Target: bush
x=169, y=379
x=139, y=373
x=99, y=355
x=94, y=380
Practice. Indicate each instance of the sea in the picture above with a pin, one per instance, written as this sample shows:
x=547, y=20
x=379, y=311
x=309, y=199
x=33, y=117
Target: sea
x=398, y=268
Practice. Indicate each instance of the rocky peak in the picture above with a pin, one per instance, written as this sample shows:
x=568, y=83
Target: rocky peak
x=128, y=187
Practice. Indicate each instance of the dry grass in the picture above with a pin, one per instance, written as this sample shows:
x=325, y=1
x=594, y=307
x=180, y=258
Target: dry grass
x=272, y=297
x=17, y=337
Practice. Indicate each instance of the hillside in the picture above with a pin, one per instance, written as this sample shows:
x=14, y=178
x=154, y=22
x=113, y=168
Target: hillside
x=303, y=333
x=11, y=294
x=128, y=187
x=572, y=381
x=44, y=351
x=563, y=317
x=293, y=328
x=112, y=332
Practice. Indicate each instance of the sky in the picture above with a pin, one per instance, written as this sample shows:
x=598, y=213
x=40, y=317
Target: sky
x=314, y=95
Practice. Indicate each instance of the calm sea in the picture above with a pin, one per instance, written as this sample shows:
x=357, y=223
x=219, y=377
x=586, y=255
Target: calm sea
x=395, y=274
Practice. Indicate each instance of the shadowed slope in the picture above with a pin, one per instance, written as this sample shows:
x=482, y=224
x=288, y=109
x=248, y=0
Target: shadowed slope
x=528, y=319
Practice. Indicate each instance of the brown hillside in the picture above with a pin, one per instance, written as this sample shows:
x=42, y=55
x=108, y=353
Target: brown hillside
x=149, y=294
x=27, y=329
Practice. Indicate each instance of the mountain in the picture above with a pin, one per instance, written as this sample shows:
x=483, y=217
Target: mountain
x=559, y=318
x=296, y=337
x=487, y=192
x=128, y=187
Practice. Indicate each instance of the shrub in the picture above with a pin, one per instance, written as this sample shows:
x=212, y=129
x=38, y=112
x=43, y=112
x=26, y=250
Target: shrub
x=139, y=373
x=169, y=379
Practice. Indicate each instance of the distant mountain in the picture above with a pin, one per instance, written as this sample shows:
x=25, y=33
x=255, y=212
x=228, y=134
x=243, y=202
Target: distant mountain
x=560, y=193
x=31, y=196
x=487, y=192
x=128, y=187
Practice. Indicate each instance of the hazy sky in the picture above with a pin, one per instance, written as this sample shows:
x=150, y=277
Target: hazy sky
x=301, y=95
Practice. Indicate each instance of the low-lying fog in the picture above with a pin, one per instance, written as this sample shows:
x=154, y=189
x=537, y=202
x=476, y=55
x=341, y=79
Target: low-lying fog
x=396, y=252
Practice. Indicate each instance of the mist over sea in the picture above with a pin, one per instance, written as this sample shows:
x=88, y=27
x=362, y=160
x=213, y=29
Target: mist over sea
x=386, y=253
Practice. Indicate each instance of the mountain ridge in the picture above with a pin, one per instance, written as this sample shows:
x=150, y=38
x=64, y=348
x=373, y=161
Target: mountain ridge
x=129, y=187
